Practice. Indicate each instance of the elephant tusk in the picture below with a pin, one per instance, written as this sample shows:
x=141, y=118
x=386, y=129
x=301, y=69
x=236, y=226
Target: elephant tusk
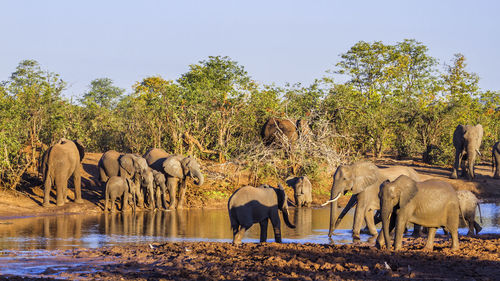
x=332, y=200
x=477, y=150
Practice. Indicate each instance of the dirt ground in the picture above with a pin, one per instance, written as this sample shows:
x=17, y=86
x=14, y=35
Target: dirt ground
x=477, y=259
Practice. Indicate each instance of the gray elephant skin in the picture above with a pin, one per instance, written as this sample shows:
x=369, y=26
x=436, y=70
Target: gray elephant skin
x=177, y=168
x=467, y=141
x=468, y=203
x=302, y=190
x=249, y=205
x=113, y=163
x=118, y=187
x=431, y=203
x=160, y=189
x=60, y=162
x=495, y=160
x=363, y=180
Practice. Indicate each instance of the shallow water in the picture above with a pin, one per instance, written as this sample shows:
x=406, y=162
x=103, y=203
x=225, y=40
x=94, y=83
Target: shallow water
x=90, y=231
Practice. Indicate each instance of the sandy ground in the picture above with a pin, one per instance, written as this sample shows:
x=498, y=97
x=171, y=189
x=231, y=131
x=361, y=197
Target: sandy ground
x=477, y=259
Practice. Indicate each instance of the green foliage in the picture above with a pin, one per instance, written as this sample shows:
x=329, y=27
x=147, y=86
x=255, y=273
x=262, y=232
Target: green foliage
x=395, y=99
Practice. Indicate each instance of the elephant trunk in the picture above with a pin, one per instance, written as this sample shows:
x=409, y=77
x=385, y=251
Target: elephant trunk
x=334, y=195
x=386, y=216
x=286, y=217
x=199, y=177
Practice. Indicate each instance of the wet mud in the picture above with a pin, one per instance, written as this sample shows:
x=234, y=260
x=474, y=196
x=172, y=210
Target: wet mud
x=477, y=259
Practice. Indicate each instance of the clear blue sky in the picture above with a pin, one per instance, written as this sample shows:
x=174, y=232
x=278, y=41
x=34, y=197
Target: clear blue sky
x=276, y=41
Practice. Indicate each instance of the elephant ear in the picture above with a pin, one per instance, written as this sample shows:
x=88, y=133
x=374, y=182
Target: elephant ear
x=81, y=149
x=173, y=167
x=407, y=189
x=364, y=174
x=127, y=163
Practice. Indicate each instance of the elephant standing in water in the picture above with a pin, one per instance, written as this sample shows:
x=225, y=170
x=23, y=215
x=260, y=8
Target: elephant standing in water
x=468, y=203
x=467, y=140
x=249, y=205
x=60, y=162
x=363, y=179
x=495, y=160
x=431, y=203
x=176, y=169
x=302, y=190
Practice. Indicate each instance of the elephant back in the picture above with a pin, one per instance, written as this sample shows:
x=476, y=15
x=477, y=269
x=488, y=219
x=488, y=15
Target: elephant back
x=155, y=157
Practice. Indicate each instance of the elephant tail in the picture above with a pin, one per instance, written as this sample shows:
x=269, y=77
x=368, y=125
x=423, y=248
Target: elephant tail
x=480, y=215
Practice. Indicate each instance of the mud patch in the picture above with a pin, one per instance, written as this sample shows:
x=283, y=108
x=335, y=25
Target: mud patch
x=478, y=258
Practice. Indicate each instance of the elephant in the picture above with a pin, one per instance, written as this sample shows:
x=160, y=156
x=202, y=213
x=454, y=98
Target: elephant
x=302, y=190
x=363, y=179
x=108, y=165
x=116, y=187
x=467, y=140
x=176, y=169
x=274, y=130
x=60, y=162
x=431, y=203
x=160, y=189
x=249, y=205
x=131, y=166
x=468, y=203
x=495, y=160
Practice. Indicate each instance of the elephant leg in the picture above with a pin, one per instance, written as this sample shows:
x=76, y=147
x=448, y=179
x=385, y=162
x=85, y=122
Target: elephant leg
x=125, y=206
x=77, y=181
x=416, y=230
x=61, y=186
x=47, y=188
x=380, y=239
x=164, y=196
x=400, y=228
x=113, y=204
x=263, y=230
x=275, y=220
x=477, y=227
x=358, y=220
x=456, y=165
x=172, y=189
x=431, y=233
x=370, y=222
x=239, y=235
x=182, y=193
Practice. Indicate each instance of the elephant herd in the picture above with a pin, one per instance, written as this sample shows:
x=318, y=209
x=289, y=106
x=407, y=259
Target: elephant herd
x=147, y=179
x=129, y=177
x=395, y=196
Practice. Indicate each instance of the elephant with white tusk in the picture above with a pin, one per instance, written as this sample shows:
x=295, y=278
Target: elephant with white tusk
x=363, y=180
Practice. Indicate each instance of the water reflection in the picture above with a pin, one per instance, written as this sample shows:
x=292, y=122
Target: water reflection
x=84, y=230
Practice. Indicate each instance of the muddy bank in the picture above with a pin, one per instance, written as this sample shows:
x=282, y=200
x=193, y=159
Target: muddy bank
x=477, y=259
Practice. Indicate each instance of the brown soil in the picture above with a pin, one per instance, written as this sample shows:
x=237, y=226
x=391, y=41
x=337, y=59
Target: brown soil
x=477, y=259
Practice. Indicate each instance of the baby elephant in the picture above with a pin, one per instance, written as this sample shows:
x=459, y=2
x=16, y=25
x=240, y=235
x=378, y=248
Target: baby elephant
x=302, y=190
x=116, y=187
x=468, y=203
